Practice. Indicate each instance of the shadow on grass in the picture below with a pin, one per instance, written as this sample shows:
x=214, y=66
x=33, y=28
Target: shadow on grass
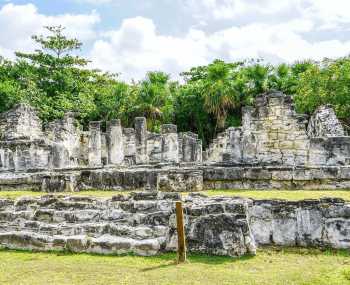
x=304, y=251
x=193, y=258
x=196, y=259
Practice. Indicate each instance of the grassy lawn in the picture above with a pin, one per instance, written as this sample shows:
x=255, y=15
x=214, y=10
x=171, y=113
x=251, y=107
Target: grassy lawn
x=270, y=266
x=282, y=194
x=260, y=194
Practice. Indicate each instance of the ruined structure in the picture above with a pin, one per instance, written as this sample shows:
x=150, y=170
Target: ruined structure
x=145, y=224
x=274, y=148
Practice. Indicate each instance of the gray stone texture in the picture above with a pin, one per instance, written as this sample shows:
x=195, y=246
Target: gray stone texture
x=275, y=148
x=25, y=144
x=324, y=123
x=144, y=223
x=272, y=133
x=139, y=223
x=321, y=223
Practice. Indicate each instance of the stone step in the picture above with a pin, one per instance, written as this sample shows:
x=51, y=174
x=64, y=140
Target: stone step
x=105, y=244
x=89, y=229
x=73, y=204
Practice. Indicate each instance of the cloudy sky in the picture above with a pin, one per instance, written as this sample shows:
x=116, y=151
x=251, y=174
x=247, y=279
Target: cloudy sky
x=132, y=37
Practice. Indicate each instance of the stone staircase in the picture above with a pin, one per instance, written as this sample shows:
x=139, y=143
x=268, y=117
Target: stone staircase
x=139, y=223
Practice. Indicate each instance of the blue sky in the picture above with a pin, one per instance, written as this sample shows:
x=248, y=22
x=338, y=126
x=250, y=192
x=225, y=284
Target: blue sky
x=131, y=37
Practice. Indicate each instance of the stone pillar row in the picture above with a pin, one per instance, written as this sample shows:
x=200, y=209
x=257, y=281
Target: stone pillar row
x=172, y=151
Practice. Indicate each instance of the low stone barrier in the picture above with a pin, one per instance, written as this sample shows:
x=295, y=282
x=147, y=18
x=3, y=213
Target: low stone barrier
x=181, y=178
x=140, y=223
x=144, y=223
x=312, y=223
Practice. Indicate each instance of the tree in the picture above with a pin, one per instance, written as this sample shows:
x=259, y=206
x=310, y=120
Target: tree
x=325, y=83
x=220, y=94
x=62, y=81
x=154, y=100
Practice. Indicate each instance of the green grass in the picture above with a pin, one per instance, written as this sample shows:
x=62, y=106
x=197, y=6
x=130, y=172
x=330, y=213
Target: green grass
x=270, y=266
x=282, y=194
x=255, y=194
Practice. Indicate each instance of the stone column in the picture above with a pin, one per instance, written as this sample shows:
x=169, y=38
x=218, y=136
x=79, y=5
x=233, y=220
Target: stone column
x=198, y=152
x=170, y=143
x=59, y=156
x=141, y=140
x=115, y=142
x=95, y=153
x=189, y=141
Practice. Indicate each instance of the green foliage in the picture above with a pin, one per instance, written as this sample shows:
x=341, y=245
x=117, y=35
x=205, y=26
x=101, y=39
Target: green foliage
x=325, y=83
x=154, y=100
x=54, y=79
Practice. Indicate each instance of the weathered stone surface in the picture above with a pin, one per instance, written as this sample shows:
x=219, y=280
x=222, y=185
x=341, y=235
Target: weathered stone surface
x=95, y=144
x=180, y=181
x=115, y=142
x=317, y=223
x=145, y=224
x=21, y=122
x=274, y=148
x=324, y=123
x=272, y=133
x=141, y=223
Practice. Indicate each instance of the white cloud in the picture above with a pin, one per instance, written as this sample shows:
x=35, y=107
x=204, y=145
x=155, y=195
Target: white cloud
x=229, y=9
x=330, y=13
x=136, y=47
x=335, y=11
x=22, y=21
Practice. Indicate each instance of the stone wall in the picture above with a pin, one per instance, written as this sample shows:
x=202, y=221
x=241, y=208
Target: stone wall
x=315, y=223
x=145, y=224
x=277, y=177
x=324, y=123
x=142, y=223
x=275, y=148
x=27, y=145
x=272, y=133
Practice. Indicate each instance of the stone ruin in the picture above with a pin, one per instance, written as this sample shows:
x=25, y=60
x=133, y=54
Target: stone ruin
x=25, y=145
x=275, y=148
x=144, y=223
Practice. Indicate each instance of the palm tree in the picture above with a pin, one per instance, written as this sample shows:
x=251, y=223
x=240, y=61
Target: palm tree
x=220, y=94
x=154, y=99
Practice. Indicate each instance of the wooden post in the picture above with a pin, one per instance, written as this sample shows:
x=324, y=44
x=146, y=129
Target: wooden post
x=181, y=245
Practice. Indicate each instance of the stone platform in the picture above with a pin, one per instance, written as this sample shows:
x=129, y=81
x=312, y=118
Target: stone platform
x=145, y=224
x=180, y=178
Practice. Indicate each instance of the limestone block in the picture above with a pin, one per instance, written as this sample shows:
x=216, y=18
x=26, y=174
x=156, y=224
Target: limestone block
x=21, y=122
x=95, y=152
x=337, y=232
x=324, y=123
x=129, y=142
x=309, y=227
x=115, y=142
x=154, y=147
x=180, y=181
x=141, y=140
x=170, y=144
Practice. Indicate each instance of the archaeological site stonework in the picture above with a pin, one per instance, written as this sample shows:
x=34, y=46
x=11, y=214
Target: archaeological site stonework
x=275, y=148
x=144, y=223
